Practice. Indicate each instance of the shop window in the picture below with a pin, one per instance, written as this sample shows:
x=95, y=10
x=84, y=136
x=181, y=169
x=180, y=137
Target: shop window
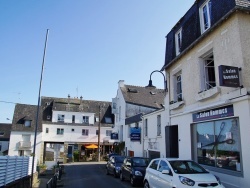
x=218, y=144
x=205, y=16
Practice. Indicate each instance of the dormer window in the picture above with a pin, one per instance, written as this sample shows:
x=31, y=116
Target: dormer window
x=1, y=133
x=60, y=118
x=205, y=16
x=27, y=123
x=108, y=120
x=178, y=41
x=85, y=119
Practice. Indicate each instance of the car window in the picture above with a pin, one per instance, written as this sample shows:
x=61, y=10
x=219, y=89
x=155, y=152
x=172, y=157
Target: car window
x=187, y=167
x=163, y=166
x=140, y=162
x=119, y=159
x=154, y=164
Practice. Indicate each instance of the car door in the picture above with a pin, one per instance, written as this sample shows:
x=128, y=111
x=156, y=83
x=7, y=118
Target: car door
x=164, y=180
x=127, y=169
x=151, y=173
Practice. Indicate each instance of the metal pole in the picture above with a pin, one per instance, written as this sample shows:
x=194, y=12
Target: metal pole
x=37, y=112
x=99, y=130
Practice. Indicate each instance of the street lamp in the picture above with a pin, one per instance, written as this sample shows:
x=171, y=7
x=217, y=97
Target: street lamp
x=150, y=84
x=99, y=132
x=37, y=112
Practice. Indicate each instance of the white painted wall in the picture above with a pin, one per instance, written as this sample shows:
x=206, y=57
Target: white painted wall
x=16, y=137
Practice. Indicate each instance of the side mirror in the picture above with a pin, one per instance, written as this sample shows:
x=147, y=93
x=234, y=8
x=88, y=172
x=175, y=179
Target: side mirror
x=165, y=172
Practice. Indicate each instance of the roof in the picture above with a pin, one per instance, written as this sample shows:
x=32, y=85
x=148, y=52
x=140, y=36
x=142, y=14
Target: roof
x=50, y=104
x=143, y=96
x=133, y=119
x=24, y=112
x=5, y=128
x=190, y=24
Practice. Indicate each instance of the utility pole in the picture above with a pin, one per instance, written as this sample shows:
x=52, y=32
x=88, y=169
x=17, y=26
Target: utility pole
x=99, y=134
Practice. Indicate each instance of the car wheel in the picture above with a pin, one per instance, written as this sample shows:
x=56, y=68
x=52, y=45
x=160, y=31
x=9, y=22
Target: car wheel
x=107, y=171
x=132, y=182
x=146, y=185
x=121, y=177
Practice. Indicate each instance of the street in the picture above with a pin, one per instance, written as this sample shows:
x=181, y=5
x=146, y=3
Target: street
x=90, y=175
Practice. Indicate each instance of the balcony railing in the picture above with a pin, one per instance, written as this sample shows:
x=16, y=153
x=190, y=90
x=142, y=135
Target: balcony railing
x=153, y=145
x=24, y=145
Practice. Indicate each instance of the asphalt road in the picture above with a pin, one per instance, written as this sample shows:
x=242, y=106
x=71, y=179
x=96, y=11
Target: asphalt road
x=90, y=175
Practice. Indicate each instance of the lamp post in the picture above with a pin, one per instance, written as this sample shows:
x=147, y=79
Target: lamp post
x=37, y=113
x=99, y=134
x=150, y=84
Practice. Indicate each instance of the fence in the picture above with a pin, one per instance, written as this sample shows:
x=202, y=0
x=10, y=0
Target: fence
x=13, y=168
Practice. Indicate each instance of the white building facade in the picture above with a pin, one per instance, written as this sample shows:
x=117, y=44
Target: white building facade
x=207, y=67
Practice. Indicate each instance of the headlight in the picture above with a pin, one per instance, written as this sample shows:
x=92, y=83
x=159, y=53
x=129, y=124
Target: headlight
x=117, y=169
x=218, y=179
x=186, y=181
x=138, y=173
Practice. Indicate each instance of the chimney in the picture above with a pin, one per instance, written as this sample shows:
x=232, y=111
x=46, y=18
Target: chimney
x=121, y=83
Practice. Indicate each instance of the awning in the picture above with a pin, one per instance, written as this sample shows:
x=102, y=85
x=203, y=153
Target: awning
x=91, y=146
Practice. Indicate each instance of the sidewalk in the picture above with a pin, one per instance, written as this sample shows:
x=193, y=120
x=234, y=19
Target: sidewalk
x=45, y=177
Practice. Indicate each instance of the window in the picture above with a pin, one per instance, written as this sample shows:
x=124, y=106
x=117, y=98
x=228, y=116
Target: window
x=205, y=16
x=108, y=120
x=178, y=87
x=48, y=117
x=85, y=132
x=208, y=79
x=218, y=144
x=159, y=125
x=27, y=123
x=1, y=133
x=60, y=118
x=60, y=131
x=108, y=132
x=178, y=40
x=97, y=132
x=85, y=119
x=129, y=131
x=163, y=166
x=72, y=130
x=47, y=130
x=154, y=164
x=146, y=127
x=73, y=118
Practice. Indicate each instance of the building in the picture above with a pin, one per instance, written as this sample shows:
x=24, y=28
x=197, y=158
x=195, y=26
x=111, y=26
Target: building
x=129, y=105
x=208, y=103
x=68, y=129
x=4, y=138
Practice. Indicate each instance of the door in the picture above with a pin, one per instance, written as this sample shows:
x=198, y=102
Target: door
x=163, y=180
x=172, y=141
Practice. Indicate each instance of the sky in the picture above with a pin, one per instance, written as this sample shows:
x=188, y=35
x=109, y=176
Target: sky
x=92, y=44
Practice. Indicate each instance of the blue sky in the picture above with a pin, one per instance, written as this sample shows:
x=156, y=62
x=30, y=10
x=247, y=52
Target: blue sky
x=92, y=44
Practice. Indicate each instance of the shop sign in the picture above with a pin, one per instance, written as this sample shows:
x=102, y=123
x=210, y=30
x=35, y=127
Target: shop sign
x=135, y=134
x=114, y=136
x=221, y=112
x=229, y=76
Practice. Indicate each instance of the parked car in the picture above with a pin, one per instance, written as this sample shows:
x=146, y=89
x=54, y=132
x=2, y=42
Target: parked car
x=168, y=173
x=133, y=169
x=110, y=155
x=114, y=165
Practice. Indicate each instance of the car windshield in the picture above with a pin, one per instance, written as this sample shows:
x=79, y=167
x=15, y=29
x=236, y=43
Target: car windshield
x=187, y=167
x=140, y=162
x=119, y=159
